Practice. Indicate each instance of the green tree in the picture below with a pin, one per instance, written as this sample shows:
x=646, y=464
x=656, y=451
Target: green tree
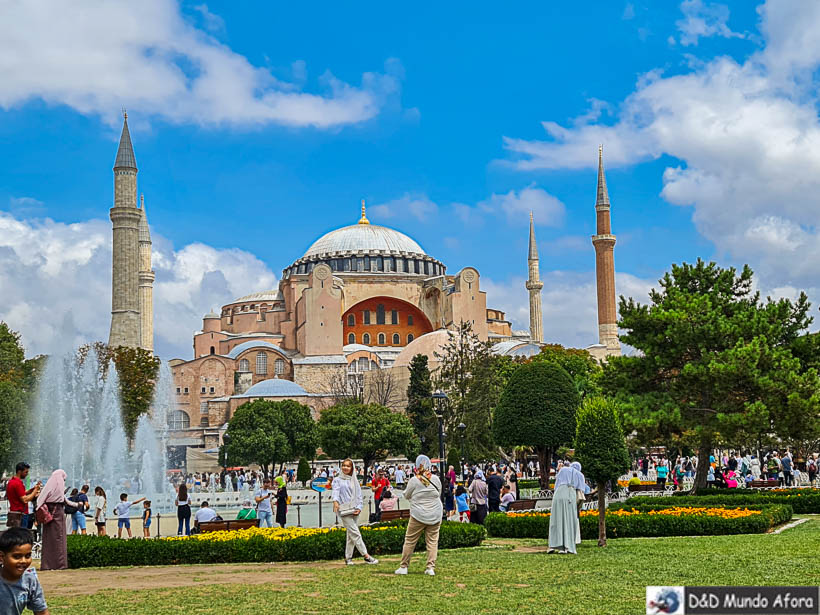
x=600, y=447
x=420, y=404
x=537, y=409
x=454, y=459
x=269, y=432
x=715, y=362
x=303, y=473
x=584, y=370
x=368, y=432
x=12, y=355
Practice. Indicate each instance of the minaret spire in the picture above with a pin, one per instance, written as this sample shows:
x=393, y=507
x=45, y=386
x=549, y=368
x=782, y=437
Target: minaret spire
x=534, y=286
x=604, y=242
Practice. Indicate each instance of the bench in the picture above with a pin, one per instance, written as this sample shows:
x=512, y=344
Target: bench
x=227, y=526
x=652, y=489
x=521, y=505
x=392, y=515
x=764, y=484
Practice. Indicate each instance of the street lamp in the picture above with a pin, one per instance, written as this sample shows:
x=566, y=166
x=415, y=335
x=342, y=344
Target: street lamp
x=461, y=428
x=439, y=399
x=226, y=439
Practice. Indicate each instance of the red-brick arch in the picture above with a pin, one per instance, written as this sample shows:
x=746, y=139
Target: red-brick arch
x=405, y=312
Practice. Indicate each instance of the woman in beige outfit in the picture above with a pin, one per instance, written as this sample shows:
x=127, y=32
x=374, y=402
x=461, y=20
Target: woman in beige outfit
x=423, y=491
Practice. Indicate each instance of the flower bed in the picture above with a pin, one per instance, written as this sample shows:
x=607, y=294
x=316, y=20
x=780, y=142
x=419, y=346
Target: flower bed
x=803, y=501
x=631, y=521
x=254, y=545
x=625, y=483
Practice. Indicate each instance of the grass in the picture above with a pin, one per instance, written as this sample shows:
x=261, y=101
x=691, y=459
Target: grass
x=502, y=576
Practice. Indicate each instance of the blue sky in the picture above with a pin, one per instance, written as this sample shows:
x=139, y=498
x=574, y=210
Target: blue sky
x=259, y=126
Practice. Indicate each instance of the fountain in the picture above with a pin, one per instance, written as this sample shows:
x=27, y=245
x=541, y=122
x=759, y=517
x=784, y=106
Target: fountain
x=77, y=426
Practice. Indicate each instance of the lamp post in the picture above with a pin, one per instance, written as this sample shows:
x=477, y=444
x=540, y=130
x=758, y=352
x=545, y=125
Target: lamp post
x=226, y=439
x=439, y=399
x=461, y=428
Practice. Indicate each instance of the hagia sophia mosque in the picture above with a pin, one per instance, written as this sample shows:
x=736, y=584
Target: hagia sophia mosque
x=362, y=298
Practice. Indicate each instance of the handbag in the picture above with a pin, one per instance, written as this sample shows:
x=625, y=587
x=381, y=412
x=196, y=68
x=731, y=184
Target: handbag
x=580, y=496
x=43, y=515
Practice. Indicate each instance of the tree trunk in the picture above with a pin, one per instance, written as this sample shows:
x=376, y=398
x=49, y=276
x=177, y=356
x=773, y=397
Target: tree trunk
x=544, y=460
x=704, y=450
x=601, y=514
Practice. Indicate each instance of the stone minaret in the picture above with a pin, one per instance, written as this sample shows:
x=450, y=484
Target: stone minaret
x=125, y=218
x=534, y=285
x=146, y=283
x=604, y=242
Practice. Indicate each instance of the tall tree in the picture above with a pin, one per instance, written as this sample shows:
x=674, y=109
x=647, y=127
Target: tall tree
x=584, y=370
x=600, y=447
x=714, y=360
x=420, y=403
x=367, y=432
x=537, y=409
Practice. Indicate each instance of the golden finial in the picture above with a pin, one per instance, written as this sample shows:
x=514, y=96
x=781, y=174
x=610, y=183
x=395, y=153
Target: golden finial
x=124, y=114
x=364, y=219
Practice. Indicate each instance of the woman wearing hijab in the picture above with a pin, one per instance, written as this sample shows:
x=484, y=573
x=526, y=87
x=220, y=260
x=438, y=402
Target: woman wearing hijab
x=423, y=491
x=281, y=501
x=347, y=504
x=565, y=530
x=51, y=503
x=478, y=498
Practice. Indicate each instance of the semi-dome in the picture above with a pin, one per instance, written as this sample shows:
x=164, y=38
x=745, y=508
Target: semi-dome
x=265, y=295
x=274, y=387
x=428, y=344
x=366, y=238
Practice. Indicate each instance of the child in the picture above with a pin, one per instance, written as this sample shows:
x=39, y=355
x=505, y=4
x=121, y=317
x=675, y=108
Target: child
x=506, y=498
x=21, y=587
x=461, y=503
x=146, y=519
x=122, y=511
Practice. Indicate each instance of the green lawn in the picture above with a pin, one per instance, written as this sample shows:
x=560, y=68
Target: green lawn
x=500, y=577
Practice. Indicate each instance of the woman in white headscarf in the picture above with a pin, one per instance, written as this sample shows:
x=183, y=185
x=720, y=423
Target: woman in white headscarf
x=423, y=491
x=347, y=504
x=50, y=513
x=565, y=530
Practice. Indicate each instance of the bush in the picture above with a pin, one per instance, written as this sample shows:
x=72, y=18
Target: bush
x=536, y=525
x=94, y=551
x=303, y=473
x=803, y=501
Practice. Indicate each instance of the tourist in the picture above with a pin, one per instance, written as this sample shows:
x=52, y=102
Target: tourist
x=731, y=479
x=494, y=484
x=424, y=494
x=347, y=504
x=710, y=477
x=99, y=510
x=400, y=478
x=506, y=498
x=478, y=498
x=72, y=509
x=564, y=530
x=811, y=470
x=205, y=514
x=462, y=505
x=78, y=518
x=773, y=466
x=123, y=512
x=389, y=501
x=183, y=504
x=21, y=588
x=451, y=475
x=662, y=470
x=378, y=485
x=513, y=481
x=146, y=519
x=248, y=511
x=281, y=501
x=50, y=512
x=19, y=497
x=786, y=464
x=263, y=506
x=634, y=480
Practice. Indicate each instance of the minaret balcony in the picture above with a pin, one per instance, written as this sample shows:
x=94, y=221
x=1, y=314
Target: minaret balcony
x=603, y=237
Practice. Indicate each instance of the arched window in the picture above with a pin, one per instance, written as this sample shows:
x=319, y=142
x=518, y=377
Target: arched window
x=409, y=337
x=262, y=364
x=362, y=364
x=381, y=339
x=409, y=321
x=351, y=320
x=380, y=314
x=351, y=338
x=178, y=420
x=366, y=339
x=244, y=365
x=213, y=350
x=279, y=367
x=396, y=339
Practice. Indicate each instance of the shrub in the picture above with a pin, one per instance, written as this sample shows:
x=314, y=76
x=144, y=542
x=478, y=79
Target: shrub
x=303, y=472
x=645, y=521
x=223, y=547
x=803, y=501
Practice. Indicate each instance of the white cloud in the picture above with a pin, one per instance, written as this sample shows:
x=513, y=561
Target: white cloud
x=99, y=56
x=546, y=209
x=55, y=281
x=703, y=19
x=747, y=137
x=417, y=205
x=211, y=21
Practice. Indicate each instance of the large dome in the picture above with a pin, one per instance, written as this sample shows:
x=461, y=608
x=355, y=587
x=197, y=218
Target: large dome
x=367, y=238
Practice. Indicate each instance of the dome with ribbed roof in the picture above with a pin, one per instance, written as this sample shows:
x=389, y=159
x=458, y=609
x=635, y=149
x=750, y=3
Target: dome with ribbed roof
x=265, y=295
x=364, y=238
x=275, y=387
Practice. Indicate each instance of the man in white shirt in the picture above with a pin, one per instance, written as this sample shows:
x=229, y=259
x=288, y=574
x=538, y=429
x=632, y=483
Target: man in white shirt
x=399, y=476
x=204, y=514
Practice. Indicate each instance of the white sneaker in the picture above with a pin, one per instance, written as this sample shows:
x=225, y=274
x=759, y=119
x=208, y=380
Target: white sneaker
x=401, y=570
x=430, y=571
x=349, y=562
x=371, y=560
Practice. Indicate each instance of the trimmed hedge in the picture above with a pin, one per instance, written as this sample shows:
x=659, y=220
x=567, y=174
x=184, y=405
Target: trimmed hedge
x=501, y=525
x=803, y=501
x=95, y=551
